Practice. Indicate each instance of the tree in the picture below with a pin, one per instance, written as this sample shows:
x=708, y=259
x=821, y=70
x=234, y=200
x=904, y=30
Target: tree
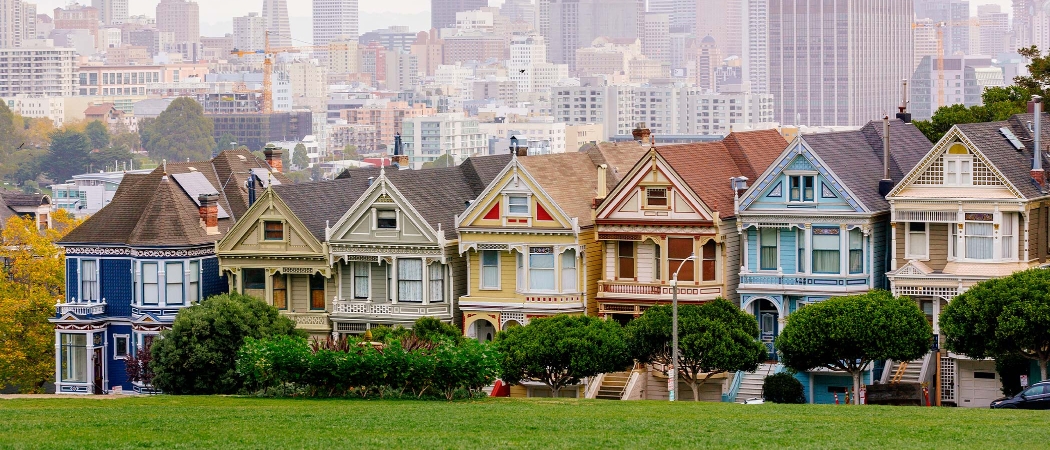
x=69, y=154
x=197, y=355
x=713, y=338
x=97, y=134
x=560, y=350
x=126, y=141
x=9, y=134
x=38, y=132
x=848, y=333
x=350, y=152
x=441, y=161
x=225, y=142
x=1002, y=317
x=299, y=157
x=179, y=133
x=31, y=284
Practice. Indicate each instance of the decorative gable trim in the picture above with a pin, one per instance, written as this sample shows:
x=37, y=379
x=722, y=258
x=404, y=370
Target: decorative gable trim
x=268, y=204
x=515, y=178
x=933, y=158
x=381, y=191
x=777, y=191
x=809, y=161
x=628, y=187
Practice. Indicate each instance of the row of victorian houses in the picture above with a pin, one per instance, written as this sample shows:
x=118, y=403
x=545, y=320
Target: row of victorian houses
x=501, y=240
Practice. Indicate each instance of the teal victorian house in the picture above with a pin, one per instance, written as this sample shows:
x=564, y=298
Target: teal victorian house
x=815, y=224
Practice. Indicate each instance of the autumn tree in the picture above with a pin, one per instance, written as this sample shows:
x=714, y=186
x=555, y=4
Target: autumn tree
x=31, y=282
x=179, y=133
x=713, y=338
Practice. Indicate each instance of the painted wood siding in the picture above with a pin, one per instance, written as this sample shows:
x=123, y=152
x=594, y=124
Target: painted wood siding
x=379, y=283
x=72, y=280
x=752, y=249
x=731, y=266
x=788, y=250
x=646, y=252
x=610, y=260
x=901, y=235
x=345, y=272
x=508, y=277
x=938, y=246
x=212, y=281
x=299, y=285
x=879, y=251
x=592, y=269
x=457, y=267
x=115, y=286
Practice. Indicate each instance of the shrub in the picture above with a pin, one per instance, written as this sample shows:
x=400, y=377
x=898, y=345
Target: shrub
x=198, y=354
x=783, y=388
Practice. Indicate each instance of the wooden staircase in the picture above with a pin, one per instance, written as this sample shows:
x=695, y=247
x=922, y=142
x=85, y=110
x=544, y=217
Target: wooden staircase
x=906, y=371
x=613, y=385
x=751, y=385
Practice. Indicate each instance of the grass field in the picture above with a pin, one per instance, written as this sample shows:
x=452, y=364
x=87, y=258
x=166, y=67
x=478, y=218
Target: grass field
x=229, y=422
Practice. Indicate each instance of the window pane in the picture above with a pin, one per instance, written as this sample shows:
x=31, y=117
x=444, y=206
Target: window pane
x=808, y=191
x=173, y=279
x=436, y=275
x=280, y=291
x=795, y=193
x=541, y=268
x=568, y=271
x=709, y=261
x=150, y=288
x=979, y=240
x=410, y=280
x=768, y=259
x=826, y=261
x=274, y=231
x=317, y=291
x=386, y=219
x=490, y=269
x=361, y=279
x=656, y=196
x=625, y=253
x=518, y=204
x=254, y=278
x=193, y=290
x=856, y=252
x=74, y=357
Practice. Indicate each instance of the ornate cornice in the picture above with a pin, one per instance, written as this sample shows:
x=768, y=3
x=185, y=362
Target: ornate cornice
x=338, y=249
x=655, y=229
x=141, y=253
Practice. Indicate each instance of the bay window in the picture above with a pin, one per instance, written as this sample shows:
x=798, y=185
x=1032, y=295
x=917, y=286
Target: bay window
x=978, y=233
x=74, y=357
x=856, y=251
x=194, y=289
x=768, y=248
x=173, y=294
x=568, y=271
x=436, y=277
x=625, y=259
x=150, y=285
x=490, y=269
x=88, y=280
x=678, y=252
x=917, y=244
x=362, y=273
x=826, y=250
x=1008, y=230
x=409, y=280
x=541, y=269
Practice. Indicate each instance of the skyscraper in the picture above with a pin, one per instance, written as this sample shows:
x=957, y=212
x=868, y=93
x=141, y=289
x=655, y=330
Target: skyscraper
x=837, y=62
x=276, y=14
x=443, y=12
x=722, y=20
x=577, y=23
x=17, y=22
x=334, y=20
x=249, y=32
x=180, y=17
x=111, y=12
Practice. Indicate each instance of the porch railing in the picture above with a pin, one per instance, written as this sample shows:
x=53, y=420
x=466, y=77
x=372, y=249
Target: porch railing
x=408, y=309
x=654, y=290
x=816, y=281
x=82, y=309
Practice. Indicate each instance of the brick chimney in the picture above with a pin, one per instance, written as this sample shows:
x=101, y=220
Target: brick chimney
x=273, y=157
x=209, y=212
x=641, y=133
x=522, y=151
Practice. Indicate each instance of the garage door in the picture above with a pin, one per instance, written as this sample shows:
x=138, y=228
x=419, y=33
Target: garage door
x=978, y=383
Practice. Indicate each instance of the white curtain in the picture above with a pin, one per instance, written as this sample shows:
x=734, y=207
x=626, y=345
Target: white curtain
x=436, y=276
x=541, y=271
x=489, y=269
x=362, y=273
x=1009, y=231
x=568, y=271
x=769, y=257
x=74, y=357
x=979, y=240
x=410, y=280
x=150, y=288
x=856, y=251
x=195, y=277
x=88, y=280
x=173, y=282
x=826, y=253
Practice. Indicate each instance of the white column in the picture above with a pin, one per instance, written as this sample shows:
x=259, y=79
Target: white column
x=743, y=253
x=843, y=250
x=809, y=248
x=425, y=276
x=392, y=289
x=893, y=246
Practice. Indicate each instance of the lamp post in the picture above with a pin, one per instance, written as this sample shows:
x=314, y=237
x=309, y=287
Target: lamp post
x=674, y=327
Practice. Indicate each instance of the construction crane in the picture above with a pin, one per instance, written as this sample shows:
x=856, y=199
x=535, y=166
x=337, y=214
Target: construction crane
x=269, y=54
x=940, y=26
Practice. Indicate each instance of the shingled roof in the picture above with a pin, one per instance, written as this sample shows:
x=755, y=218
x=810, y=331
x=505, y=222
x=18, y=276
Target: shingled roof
x=855, y=157
x=1013, y=164
x=152, y=210
x=707, y=167
x=12, y=201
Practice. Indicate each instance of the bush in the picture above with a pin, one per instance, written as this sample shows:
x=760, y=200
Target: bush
x=198, y=354
x=783, y=388
x=411, y=366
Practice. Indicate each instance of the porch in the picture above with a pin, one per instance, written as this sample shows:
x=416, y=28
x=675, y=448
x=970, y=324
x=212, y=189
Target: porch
x=805, y=283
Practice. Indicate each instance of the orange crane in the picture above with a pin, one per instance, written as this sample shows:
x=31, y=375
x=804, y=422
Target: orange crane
x=269, y=54
x=940, y=50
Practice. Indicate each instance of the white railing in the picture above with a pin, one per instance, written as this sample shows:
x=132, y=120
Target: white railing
x=81, y=309
x=343, y=307
x=805, y=280
x=656, y=291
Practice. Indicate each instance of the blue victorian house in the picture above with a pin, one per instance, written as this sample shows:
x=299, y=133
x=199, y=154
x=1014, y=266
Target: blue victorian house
x=133, y=265
x=816, y=223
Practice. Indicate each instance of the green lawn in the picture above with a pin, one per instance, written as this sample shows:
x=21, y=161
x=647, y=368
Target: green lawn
x=230, y=422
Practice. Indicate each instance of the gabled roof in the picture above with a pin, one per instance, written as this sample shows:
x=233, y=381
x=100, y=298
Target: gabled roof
x=11, y=201
x=855, y=157
x=98, y=110
x=154, y=210
x=707, y=167
x=1015, y=165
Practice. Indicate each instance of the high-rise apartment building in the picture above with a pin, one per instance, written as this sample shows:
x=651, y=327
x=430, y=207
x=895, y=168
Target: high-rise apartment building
x=111, y=12
x=961, y=82
x=276, y=14
x=755, y=45
x=17, y=23
x=722, y=20
x=577, y=23
x=38, y=68
x=1023, y=13
x=249, y=32
x=838, y=62
x=443, y=12
x=955, y=17
x=334, y=20
x=925, y=35
x=656, y=42
x=180, y=17
x=450, y=134
x=519, y=11
x=994, y=30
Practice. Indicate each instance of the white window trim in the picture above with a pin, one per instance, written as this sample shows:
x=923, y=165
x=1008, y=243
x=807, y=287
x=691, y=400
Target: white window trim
x=759, y=256
x=375, y=220
x=127, y=345
x=183, y=273
x=907, y=244
x=142, y=285
x=528, y=203
x=802, y=186
x=95, y=292
x=559, y=280
x=499, y=271
x=556, y=269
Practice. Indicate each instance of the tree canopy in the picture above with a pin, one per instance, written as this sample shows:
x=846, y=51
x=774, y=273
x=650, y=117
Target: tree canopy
x=440, y=161
x=97, y=134
x=179, y=133
x=848, y=333
x=561, y=350
x=198, y=354
x=69, y=154
x=299, y=157
x=1002, y=317
x=713, y=338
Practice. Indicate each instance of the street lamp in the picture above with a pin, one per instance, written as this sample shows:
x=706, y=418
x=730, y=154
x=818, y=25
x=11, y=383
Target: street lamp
x=674, y=326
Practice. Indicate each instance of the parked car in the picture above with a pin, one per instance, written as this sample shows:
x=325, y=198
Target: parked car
x=1036, y=396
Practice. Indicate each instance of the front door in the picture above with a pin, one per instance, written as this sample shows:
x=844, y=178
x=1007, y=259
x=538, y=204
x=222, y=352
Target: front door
x=97, y=362
x=767, y=315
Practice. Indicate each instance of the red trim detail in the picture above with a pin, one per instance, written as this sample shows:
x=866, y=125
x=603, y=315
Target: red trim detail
x=542, y=214
x=493, y=213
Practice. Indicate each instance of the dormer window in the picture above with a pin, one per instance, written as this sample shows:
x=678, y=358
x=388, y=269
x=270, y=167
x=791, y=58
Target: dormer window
x=656, y=197
x=386, y=219
x=518, y=205
x=802, y=188
x=958, y=166
x=273, y=230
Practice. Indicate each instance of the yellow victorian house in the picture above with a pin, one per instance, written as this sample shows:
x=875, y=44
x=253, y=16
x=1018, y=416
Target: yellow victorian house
x=528, y=239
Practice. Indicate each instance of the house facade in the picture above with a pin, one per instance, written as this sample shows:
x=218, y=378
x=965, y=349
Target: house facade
x=976, y=207
x=132, y=266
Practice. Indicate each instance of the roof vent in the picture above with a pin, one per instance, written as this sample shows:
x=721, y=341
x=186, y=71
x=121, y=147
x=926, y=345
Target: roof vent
x=242, y=158
x=1009, y=135
x=192, y=169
